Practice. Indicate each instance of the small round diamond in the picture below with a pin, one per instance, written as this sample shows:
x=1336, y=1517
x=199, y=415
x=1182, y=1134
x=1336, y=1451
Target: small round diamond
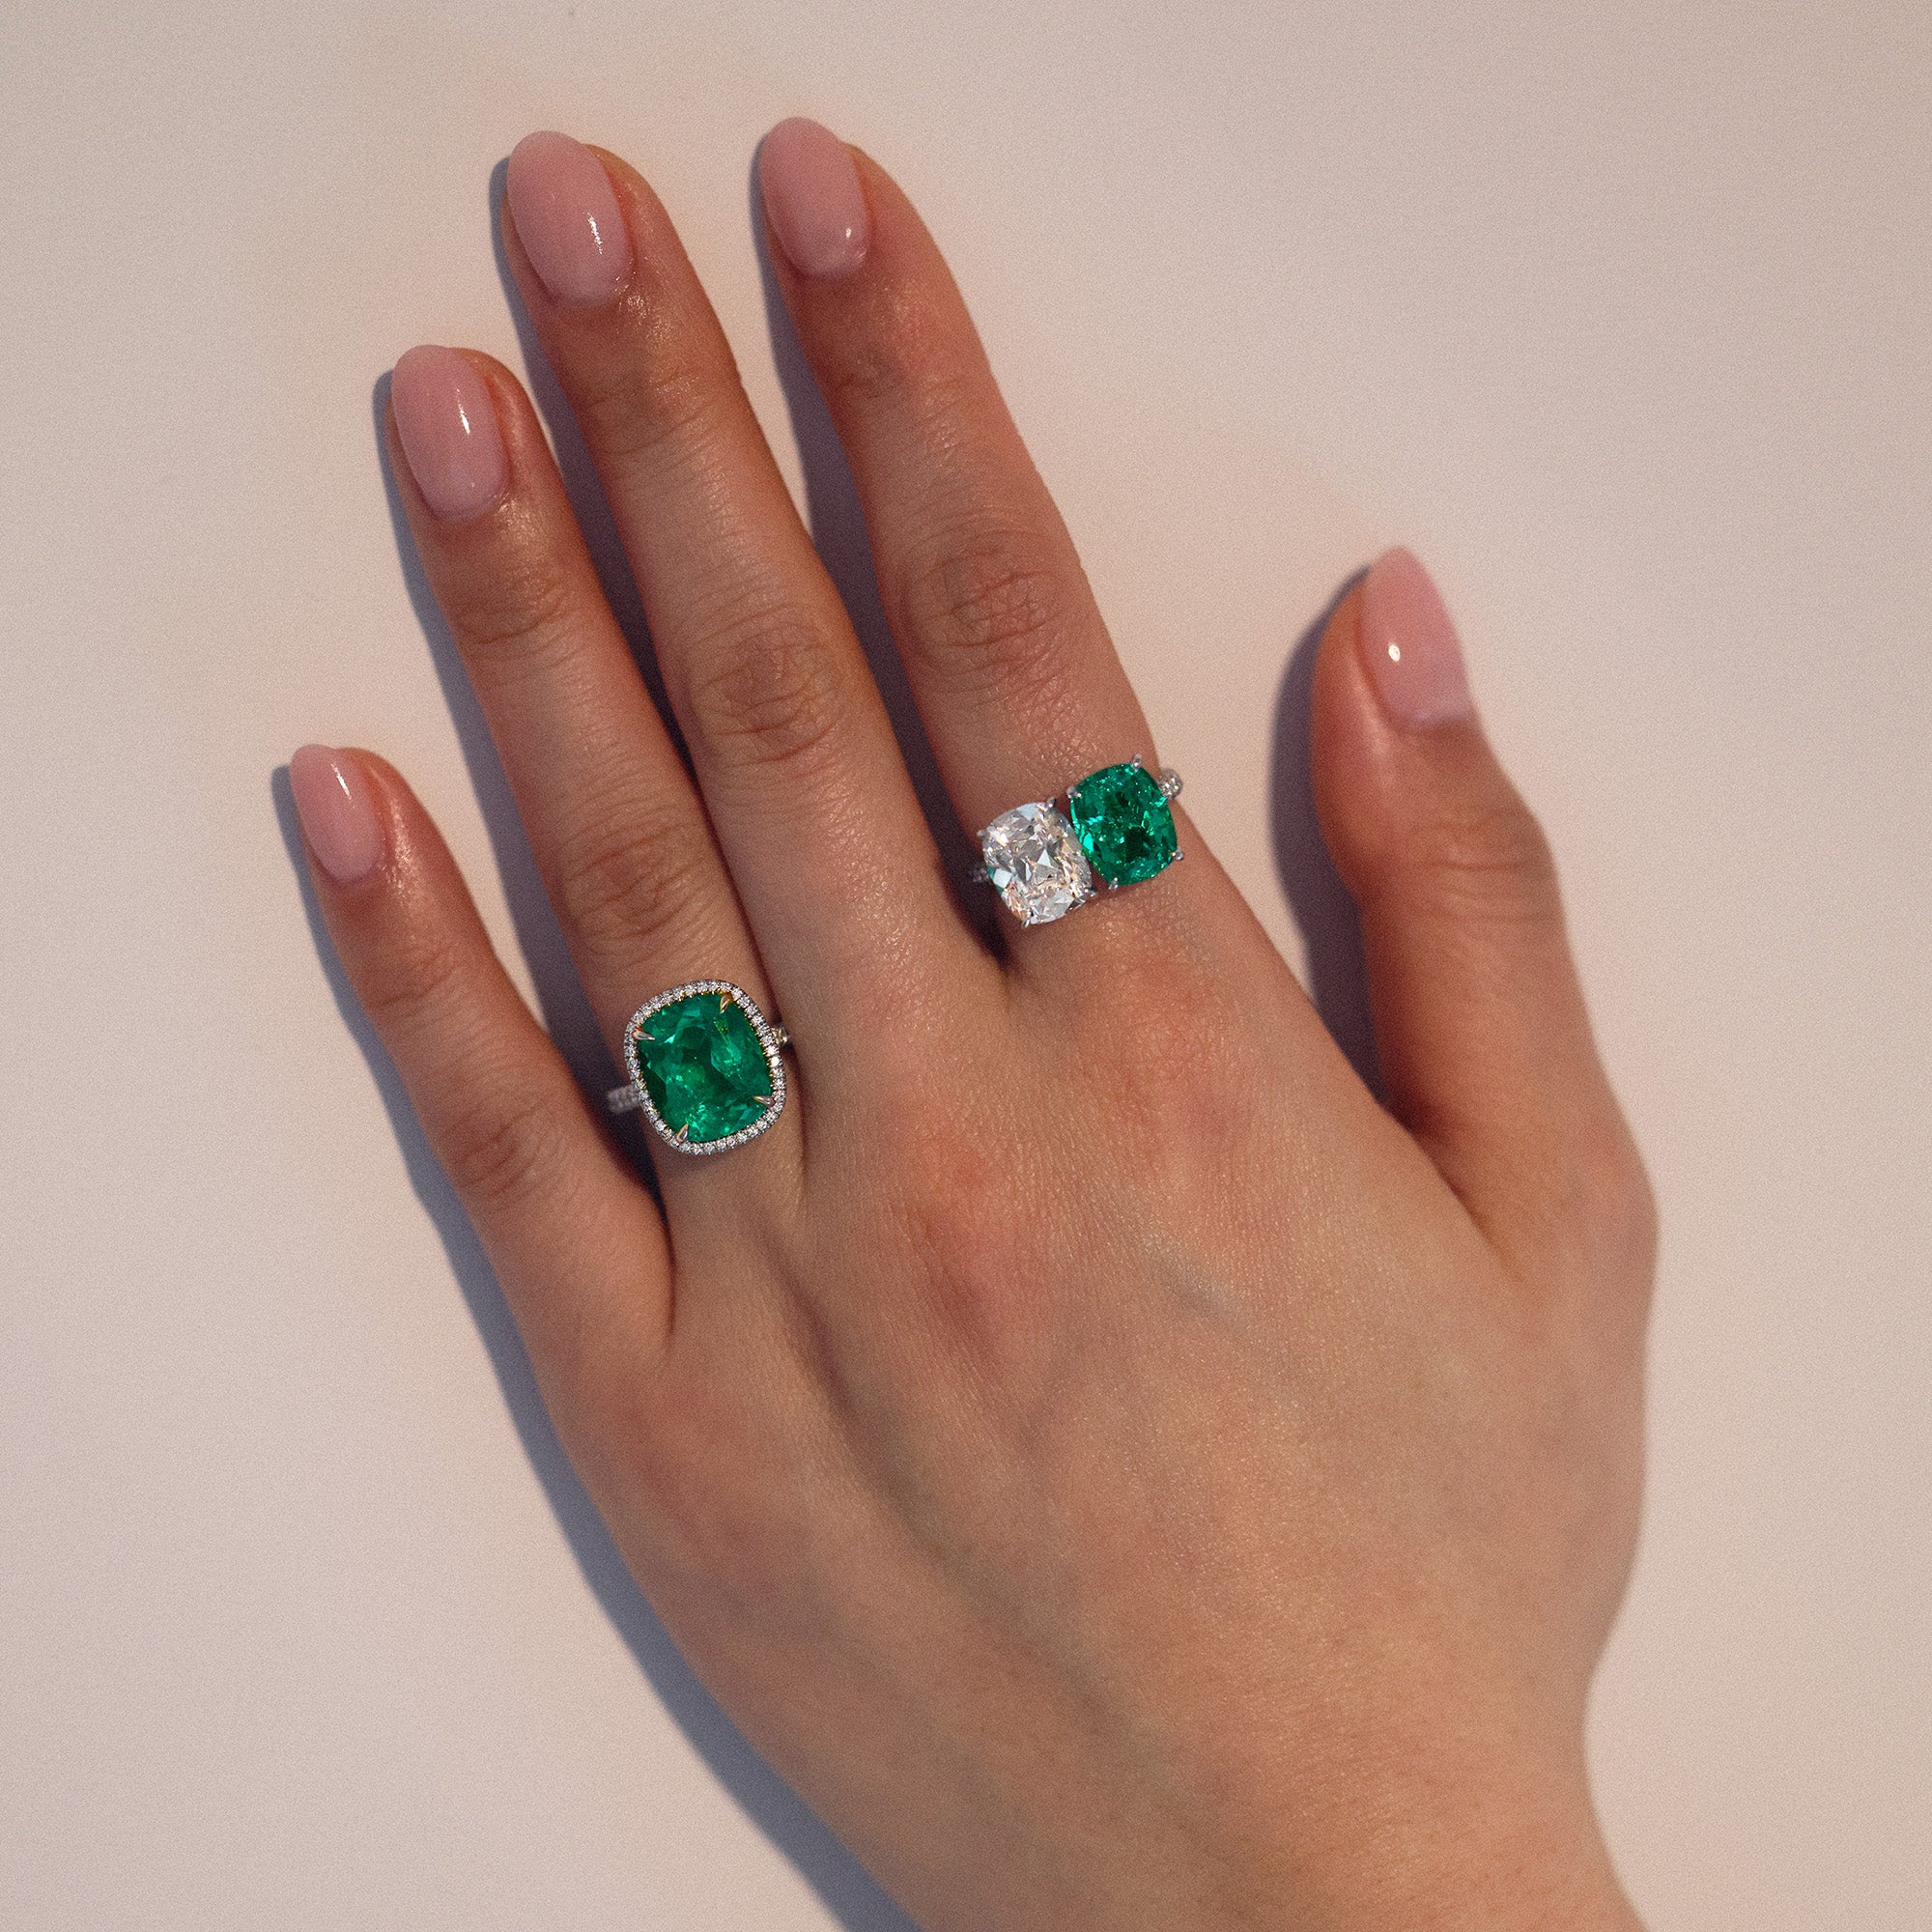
x=1035, y=864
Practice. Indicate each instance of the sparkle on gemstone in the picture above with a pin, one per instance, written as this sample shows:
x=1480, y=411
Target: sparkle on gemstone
x=700, y=1060
x=1124, y=823
x=1035, y=864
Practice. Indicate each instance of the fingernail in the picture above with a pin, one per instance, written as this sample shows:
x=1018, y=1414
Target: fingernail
x=448, y=427
x=1410, y=646
x=813, y=199
x=338, y=814
x=568, y=219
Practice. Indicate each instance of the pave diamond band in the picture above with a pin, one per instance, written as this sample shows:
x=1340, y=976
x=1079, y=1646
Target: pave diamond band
x=1117, y=830
x=706, y=1067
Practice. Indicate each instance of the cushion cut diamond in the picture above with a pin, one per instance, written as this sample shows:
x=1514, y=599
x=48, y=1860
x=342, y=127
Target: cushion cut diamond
x=1035, y=864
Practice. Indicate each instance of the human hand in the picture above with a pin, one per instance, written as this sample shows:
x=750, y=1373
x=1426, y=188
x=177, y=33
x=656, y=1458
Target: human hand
x=1119, y=1472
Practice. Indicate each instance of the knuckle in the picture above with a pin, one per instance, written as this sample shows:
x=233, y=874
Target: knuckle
x=993, y=609
x=1593, y=1225
x=906, y=358
x=409, y=977
x=1619, y=1208
x=762, y=689
x=522, y=614
x=1175, y=1072
x=975, y=1241
x=651, y=401
x=493, y=1154
x=628, y=878
x=1491, y=858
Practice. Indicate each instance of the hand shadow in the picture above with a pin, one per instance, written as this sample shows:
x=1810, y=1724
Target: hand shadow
x=842, y=1886
x=1331, y=930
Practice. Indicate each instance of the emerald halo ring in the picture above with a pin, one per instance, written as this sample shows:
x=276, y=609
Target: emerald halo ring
x=1118, y=827
x=706, y=1067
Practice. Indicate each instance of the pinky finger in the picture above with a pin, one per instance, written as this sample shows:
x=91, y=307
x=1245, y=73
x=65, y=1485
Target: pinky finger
x=577, y=1243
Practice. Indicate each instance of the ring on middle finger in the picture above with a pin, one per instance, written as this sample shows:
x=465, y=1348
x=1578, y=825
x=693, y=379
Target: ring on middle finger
x=1118, y=829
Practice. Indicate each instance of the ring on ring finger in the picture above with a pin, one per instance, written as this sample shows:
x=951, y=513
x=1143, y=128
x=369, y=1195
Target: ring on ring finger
x=706, y=1067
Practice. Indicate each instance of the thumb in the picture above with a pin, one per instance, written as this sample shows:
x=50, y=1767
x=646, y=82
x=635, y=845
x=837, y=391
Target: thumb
x=1480, y=1027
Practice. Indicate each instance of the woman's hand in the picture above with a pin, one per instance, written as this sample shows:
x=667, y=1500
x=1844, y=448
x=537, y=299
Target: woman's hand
x=1121, y=1474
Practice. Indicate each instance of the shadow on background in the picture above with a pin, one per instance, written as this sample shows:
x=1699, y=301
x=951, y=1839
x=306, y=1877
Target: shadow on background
x=842, y=1884
x=847, y=1890
x=1330, y=928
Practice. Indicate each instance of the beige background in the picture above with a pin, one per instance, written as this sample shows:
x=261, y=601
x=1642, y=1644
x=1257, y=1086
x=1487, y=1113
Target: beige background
x=1619, y=314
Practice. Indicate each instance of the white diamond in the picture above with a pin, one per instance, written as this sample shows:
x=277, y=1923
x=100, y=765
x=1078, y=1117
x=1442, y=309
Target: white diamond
x=1034, y=862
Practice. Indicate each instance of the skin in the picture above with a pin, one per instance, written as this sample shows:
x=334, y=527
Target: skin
x=1118, y=1471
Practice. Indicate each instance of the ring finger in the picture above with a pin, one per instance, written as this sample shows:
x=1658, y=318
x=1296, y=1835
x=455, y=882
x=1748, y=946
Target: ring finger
x=618, y=829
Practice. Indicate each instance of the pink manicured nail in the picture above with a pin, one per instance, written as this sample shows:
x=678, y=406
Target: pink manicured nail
x=1410, y=644
x=448, y=427
x=568, y=219
x=815, y=200
x=338, y=812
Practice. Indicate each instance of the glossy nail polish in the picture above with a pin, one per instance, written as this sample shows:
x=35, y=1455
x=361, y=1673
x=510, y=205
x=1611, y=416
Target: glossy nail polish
x=338, y=813
x=815, y=199
x=1408, y=645
x=568, y=219
x=448, y=427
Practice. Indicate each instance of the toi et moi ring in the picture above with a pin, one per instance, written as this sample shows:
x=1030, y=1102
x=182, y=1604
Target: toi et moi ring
x=1118, y=826
x=706, y=1067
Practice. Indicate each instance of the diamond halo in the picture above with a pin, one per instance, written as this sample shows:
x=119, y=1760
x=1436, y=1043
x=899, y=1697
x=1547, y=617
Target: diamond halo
x=636, y=1096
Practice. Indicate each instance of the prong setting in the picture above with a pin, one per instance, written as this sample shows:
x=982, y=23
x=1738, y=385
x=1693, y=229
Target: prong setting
x=636, y=1096
x=1116, y=829
x=1034, y=861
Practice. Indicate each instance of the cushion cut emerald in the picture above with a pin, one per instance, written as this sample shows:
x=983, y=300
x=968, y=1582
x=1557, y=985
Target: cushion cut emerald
x=1124, y=823
x=701, y=1062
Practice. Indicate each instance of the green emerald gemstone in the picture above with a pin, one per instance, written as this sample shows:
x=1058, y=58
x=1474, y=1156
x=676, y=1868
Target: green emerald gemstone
x=704, y=1065
x=1124, y=823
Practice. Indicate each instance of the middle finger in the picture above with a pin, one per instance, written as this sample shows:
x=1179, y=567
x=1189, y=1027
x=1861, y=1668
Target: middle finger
x=812, y=804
